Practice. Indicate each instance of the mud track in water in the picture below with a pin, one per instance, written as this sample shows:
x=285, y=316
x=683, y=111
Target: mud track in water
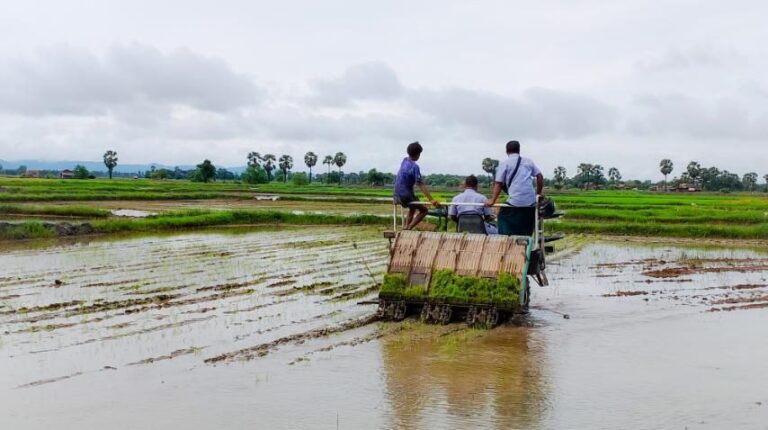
x=666, y=275
x=207, y=289
x=263, y=349
x=267, y=323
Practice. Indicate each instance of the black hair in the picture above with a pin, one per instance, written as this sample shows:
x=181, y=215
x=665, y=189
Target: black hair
x=513, y=147
x=471, y=181
x=414, y=149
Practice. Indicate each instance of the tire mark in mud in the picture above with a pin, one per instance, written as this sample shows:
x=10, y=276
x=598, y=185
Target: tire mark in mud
x=303, y=289
x=288, y=324
x=62, y=378
x=128, y=306
x=356, y=294
x=740, y=287
x=378, y=334
x=253, y=308
x=42, y=308
x=132, y=333
x=49, y=380
x=110, y=283
x=627, y=293
x=264, y=349
x=731, y=301
x=674, y=272
x=171, y=356
x=742, y=307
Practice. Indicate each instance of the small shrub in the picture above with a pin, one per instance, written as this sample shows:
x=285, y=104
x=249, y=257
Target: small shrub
x=300, y=179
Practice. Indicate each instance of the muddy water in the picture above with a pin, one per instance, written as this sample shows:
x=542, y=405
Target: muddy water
x=262, y=330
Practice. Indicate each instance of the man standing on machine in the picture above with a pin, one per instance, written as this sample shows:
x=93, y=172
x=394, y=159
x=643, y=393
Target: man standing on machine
x=407, y=177
x=514, y=176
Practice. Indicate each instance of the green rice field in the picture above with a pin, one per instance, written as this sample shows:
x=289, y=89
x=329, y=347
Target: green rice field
x=184, y=204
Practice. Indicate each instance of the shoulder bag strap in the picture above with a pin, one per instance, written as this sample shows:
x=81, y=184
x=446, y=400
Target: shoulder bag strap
x=514, y=173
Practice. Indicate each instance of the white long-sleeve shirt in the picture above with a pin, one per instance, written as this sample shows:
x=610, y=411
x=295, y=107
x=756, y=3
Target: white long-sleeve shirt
x=468, y=196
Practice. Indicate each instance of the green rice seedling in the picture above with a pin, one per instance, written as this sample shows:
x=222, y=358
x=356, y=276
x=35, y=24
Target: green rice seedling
x=394, y=284
x=415, y=292
x=445, y=287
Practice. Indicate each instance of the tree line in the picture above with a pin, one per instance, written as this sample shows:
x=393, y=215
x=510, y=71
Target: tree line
x=264, y=168
x=695, y=177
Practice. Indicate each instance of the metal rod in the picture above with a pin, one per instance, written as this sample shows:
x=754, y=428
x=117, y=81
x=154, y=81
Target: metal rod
x=394, y=217
x=497, y=205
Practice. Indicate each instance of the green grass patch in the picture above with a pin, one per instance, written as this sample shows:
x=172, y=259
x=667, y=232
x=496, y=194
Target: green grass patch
x=71, y=211
x=200, y=218
x=663, y=230
x=25, y=230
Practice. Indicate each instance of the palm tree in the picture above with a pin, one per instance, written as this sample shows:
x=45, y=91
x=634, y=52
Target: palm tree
x=694, y=171
x=560, y=176
x=614, y=175
x=286, y=164
x=597, y=175
x=585, y=169
x=666, y=167
x=749, y=180
x=269, y=165
x=310, y=159
x=339, y=159
x=110, y=160
x=489, y=166
x=254, y=159
x=329, y=161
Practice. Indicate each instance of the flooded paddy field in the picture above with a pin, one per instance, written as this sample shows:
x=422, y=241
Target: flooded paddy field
x=261, y=329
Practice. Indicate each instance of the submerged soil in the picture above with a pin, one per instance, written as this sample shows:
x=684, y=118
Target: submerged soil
x=262, y=329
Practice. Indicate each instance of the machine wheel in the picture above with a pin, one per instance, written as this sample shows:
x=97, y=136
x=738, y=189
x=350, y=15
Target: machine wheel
x=471, y=316
x=492, y=318
x=527, y=302
x=398, y=312
x=444, y=314
x=426, y=313
x=391, y=310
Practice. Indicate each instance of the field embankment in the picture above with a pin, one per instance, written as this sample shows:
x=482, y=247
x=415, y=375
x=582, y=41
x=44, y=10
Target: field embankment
x=182, y=220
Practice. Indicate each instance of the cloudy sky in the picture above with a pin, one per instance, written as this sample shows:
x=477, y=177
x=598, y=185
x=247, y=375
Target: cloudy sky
x=620, y=83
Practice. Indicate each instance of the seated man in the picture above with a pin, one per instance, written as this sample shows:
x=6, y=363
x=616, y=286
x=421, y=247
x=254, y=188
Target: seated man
x=470, y=195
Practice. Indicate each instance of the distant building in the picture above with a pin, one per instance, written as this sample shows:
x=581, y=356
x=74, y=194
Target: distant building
x=684, y=187
x=31, y=174
x=66, y=174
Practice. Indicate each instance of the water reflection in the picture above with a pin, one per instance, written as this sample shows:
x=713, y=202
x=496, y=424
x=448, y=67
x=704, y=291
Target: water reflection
x=466, y=378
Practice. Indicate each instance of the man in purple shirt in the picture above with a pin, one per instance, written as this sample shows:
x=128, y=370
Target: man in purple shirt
x=409, y=176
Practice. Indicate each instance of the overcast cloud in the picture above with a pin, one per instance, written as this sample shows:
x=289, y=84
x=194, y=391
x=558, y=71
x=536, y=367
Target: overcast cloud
x=617, y=83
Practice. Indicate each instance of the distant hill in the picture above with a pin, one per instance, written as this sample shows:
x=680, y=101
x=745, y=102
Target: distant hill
x=96, y=166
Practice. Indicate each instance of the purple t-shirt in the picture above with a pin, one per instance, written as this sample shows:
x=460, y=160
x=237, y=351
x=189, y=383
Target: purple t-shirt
x=408, y=176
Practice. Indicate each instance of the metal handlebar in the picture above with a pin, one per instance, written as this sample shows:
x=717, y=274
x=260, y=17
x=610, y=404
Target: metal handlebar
x=497, y=205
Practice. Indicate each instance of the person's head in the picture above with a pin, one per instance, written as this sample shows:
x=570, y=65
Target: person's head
x=513, y=147
x=471, y=182
x=414, y=150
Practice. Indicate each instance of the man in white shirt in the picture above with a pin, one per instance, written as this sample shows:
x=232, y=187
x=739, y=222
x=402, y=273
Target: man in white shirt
x=515, y=176
x=470, y=195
